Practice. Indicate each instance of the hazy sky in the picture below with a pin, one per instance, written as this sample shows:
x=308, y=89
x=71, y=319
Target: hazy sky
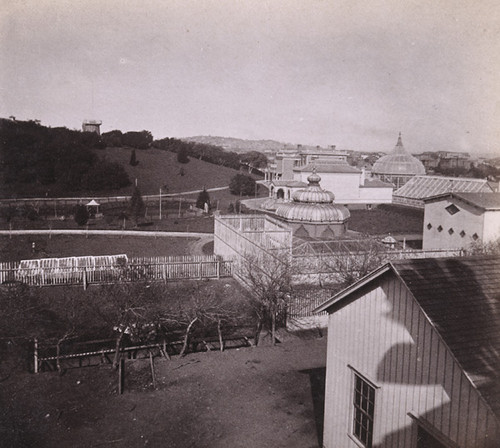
x=347, y=73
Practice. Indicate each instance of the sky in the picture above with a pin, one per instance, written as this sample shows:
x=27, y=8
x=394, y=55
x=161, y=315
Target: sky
x=317, y=72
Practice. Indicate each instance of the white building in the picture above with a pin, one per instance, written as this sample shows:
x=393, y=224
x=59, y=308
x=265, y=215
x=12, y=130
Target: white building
x=457, y=220
x=413, y=357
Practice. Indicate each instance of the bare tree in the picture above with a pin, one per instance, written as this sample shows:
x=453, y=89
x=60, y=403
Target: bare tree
x=269, y=282
x=203, y=311
x=130, y=310
x=481, y=248
x=347, y=267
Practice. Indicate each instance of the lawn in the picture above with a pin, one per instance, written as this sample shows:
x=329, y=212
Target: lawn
x=19, y=247
x=386, y=219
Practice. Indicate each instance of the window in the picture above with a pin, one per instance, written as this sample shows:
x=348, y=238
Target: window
x=451, y=231
x=475, y=237
x=440, y=229
x=429, y=226
x=462, y=233
x=452, y=209
x=364, y=409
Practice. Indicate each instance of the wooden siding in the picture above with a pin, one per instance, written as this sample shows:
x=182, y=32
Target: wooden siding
x=386, y=337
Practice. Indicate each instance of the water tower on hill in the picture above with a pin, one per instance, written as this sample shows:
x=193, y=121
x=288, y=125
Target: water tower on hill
x=92, y=126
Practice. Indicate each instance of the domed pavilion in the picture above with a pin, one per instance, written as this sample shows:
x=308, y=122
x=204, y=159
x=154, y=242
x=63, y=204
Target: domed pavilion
x=313, y=214
x=398, y=167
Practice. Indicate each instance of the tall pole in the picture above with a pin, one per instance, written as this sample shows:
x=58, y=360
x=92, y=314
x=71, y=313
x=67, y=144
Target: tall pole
x=160, y=203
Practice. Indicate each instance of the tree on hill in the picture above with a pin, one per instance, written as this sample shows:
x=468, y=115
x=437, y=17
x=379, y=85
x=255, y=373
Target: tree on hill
x=139, y=140
x=81, y=215
x=137, y=206
x=203, y=198
x=254, y=159
x=242, y=185
x=182, y=155
x=133, y=159
x=113, y=138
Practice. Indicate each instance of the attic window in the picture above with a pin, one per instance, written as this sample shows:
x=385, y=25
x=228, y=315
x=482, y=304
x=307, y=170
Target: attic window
x=475, y=237
x=451, y=231
x=429, y=226
x=440, y=229
x=452, y=209
x=462, y=233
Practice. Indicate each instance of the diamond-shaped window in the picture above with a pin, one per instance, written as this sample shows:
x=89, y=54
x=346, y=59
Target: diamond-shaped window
x=451, y=231
x=429, y=226
x=475, y=237
x=440, y=229
x=452, y=209
x=462, y=233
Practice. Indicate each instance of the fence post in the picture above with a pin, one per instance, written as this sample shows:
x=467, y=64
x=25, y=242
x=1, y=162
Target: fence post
x=218, y=269
x=84, y=273
x=35, y=356
x=201, y=269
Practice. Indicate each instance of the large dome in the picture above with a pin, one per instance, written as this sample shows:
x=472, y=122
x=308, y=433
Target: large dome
x=313, y=205
x=399, y=163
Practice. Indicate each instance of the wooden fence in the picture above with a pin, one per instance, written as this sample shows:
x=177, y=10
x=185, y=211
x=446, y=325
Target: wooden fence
x=136, y=269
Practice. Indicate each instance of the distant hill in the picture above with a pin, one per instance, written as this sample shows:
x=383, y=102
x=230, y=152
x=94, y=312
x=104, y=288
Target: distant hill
x=237, y=145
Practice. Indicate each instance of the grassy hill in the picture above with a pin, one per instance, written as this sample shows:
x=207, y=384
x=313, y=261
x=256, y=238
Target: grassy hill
x=157, y=168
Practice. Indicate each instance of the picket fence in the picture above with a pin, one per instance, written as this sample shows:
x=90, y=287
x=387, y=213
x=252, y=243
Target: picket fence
x=135, y=269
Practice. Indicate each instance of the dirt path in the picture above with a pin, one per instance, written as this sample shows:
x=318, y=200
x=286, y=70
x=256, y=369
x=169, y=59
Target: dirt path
x=264, y=396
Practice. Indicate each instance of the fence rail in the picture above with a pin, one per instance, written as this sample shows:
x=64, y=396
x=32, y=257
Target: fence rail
x=136, y=269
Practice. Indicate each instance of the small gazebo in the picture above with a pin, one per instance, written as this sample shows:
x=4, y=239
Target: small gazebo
x=93, y=209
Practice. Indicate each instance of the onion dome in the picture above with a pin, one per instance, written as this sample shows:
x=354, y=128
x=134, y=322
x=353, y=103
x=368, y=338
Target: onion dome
x=313, y=205
x=399, y=162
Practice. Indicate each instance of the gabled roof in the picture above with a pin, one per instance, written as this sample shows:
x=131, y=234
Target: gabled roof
x=341, y=167
x=461, y=298
x=484, y=201
x=420, y=187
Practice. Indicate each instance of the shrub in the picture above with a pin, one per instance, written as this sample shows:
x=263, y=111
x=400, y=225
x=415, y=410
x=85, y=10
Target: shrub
x=81, y=215
x=242, y=185
x=203, y=198
x=182, y=156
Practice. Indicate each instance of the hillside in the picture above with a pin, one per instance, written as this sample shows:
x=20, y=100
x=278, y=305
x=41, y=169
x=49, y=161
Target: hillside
x=157, y=168
x=237, y=145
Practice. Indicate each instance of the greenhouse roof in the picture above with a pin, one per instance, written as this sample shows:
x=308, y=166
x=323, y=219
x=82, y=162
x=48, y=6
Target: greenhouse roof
x=420, y=187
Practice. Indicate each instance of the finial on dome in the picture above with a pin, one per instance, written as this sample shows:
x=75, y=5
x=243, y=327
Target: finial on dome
x=314, y=178
x=400, y=141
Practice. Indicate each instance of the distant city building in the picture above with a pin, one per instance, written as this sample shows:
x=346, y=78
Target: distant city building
x=398, y=167
x=291, y=168
x=457, y=220
x=284, y=162
x=419, y=188
x=413, y=356
x=92, y=126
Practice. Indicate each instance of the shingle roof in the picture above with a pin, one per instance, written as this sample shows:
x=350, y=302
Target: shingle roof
x=461, y=297
x=486, y=201
x=420, y=187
